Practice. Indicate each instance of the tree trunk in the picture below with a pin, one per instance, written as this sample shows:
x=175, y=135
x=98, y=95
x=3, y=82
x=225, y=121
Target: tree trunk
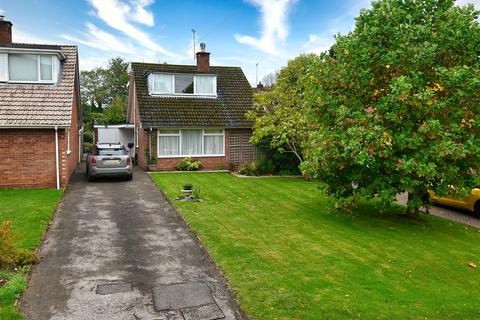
x=413, y=205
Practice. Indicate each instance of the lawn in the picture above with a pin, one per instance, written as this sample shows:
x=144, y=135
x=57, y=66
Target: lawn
x=288, y=256
x=30, y=212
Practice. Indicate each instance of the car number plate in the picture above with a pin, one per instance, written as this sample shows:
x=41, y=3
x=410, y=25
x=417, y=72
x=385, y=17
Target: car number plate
x=110, y=162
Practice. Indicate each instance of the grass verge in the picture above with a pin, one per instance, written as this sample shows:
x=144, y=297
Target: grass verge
x=288, y=256
x=30, y=212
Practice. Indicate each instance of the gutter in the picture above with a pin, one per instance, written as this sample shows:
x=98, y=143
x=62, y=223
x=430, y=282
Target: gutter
x=57, y=169
x=57, y=52
x=13, y=126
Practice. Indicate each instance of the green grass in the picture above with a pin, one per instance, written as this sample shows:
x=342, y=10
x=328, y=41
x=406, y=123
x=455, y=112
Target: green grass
x=30, y=212
x=288, y=256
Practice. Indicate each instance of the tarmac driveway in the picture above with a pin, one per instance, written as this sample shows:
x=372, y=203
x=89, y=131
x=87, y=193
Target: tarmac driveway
x=119, y=250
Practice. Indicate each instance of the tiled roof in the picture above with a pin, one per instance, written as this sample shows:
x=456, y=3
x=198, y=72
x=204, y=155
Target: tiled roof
x=234, y=99
x=40, y=104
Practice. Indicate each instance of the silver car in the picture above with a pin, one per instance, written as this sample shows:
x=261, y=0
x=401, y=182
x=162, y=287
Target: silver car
x=108, y=160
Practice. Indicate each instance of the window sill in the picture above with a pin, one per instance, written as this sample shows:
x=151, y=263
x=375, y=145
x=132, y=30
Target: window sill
x=172, y=95
x=29, y=82
x=192, y=156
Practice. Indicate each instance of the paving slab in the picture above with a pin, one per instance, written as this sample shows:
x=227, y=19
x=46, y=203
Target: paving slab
x=111, y=288
x=112, y=233
x=181, y=295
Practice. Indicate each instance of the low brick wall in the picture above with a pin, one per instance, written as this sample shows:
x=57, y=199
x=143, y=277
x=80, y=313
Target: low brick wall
x=208, y=163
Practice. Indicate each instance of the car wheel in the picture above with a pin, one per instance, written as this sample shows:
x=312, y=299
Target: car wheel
x=90, y=178
x=476, y=209
x=130, y=177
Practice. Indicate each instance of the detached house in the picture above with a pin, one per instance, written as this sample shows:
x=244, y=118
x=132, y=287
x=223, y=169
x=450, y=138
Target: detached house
x=40, y=127
x=195, y=111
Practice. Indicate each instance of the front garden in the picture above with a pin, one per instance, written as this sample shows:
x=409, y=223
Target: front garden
x=289, y=256
x=24, y=217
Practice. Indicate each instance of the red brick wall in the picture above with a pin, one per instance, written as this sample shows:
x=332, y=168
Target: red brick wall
x=5, y=32
x=208, y=163
x=34, y=166
x=142, y=160
x=70, y=160
x=28, y=158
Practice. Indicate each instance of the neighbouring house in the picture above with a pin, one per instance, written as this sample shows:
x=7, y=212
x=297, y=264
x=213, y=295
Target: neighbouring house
x=195, y=111
x=40, y=120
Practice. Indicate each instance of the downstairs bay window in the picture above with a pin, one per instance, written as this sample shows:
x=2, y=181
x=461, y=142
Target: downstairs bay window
x=190, y=143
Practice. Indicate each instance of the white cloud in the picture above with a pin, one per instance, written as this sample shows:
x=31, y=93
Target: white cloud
x=20, y=36
x=140, y=14
x=119, y=15
x=100, y=39
x=274, y=25
x=476, y=3
x=318, y=43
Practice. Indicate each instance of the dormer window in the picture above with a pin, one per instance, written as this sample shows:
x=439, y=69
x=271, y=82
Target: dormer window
x=182, y=84
x=29, y=67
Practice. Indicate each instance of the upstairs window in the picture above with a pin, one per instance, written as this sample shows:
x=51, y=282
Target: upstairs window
x=30, y=68
x=182, y=84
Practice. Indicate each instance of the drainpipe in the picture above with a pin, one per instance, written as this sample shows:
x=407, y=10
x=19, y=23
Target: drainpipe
x=57, y=169
x=80, y=145
x=150, y=146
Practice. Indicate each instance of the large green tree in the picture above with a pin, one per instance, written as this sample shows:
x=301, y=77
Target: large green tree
x=397, y=104
x=104, y=89
x=279, y=111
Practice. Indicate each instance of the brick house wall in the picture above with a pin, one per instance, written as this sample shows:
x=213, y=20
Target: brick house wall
x=34, y=167
x=70, y=160
x=31, y=167
x=238, y=151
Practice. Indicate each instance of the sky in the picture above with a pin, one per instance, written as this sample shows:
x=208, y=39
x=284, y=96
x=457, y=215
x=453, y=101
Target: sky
x=236, y=32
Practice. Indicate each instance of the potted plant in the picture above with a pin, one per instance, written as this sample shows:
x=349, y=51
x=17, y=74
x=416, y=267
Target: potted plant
x=187, y=190
x=152, y=164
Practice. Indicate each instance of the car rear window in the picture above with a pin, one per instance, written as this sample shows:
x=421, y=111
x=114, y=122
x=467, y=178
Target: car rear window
x=111, y=152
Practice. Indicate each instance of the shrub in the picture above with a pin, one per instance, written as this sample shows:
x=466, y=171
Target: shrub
x=87, y=146
x=187, y=186
x=249, y=169
x=196, y=193
x=265, y=167
x=188, y=164
x=11, y=255
x=88, y=136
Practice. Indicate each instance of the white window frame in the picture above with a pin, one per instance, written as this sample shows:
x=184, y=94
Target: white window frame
x=194, y=94
x=179, y=134
x=39, y=69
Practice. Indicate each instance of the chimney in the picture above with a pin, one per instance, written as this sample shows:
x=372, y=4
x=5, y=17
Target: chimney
x=260, y=87
x=203, y=59
x=5, y=31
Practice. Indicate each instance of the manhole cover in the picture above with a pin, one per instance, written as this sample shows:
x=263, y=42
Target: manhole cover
x=181, y=295
x=110, y=288
x=207, y=312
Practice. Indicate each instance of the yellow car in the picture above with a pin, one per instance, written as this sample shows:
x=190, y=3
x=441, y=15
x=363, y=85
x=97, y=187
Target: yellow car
x=470, y=203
